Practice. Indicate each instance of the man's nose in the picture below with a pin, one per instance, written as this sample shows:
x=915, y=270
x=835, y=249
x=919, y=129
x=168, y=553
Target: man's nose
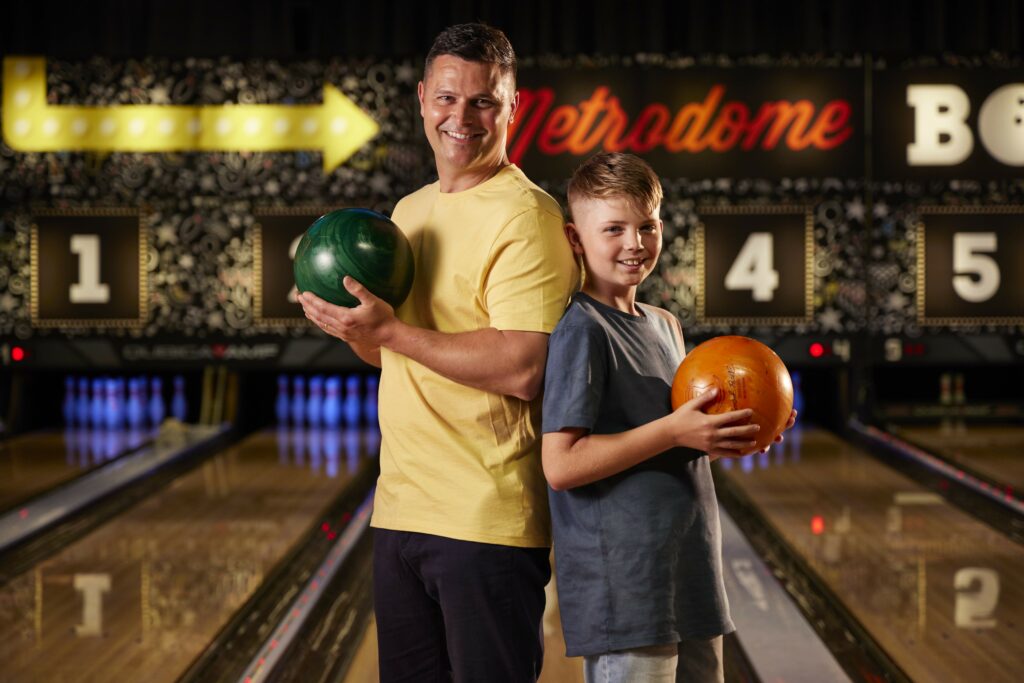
x=464, y=113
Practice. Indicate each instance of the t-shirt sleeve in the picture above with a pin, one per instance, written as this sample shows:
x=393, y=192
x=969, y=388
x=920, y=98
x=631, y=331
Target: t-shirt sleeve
x=531, y=274
x=574, y=381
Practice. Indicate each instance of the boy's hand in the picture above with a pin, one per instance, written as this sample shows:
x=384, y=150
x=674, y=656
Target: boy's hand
x=789, y=425
x=720, y=436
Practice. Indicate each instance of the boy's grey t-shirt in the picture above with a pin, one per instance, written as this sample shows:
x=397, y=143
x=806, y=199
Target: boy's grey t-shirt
x=637, y=555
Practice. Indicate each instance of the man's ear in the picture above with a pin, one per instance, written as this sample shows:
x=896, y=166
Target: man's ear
x=573, y=236
x=420, y=90
x=513, y=107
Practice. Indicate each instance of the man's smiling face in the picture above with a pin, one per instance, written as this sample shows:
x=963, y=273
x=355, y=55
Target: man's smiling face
x=466, y=108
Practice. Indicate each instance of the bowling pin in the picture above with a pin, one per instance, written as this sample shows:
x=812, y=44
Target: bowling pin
x=281, y=408
x=70, y=401
x=370, y=405
x=179, y=408
x=959, y=400
x=82, y=407
x=114, y=411
x=352, y=408
x=134, y=408
x=156, y=408
x=298, y=401
x=97, y=407
x=332, y=402
x=315, y=405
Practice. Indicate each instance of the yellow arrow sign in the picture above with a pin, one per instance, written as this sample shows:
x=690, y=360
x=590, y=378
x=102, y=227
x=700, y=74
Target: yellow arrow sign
x=30, y=124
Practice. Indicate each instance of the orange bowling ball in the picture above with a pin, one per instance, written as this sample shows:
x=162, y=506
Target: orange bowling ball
x=747, y=374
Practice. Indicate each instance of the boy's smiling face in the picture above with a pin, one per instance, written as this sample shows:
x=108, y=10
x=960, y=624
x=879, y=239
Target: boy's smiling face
x=619, y=242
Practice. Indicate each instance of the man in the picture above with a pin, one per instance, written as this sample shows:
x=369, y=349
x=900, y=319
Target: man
x=460, y=514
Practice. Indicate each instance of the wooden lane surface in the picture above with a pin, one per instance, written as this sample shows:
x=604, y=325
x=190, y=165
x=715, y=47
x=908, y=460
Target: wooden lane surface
x=155, y=584
x=993, y=450
x=940, y=592
x=35, y=462
x=557, y=667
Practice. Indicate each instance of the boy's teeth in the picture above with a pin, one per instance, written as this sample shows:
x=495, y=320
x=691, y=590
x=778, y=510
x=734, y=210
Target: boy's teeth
x=633, y=262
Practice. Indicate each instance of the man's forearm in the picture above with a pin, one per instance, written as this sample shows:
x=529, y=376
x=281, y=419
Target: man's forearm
x=486, y=359
x=367, y=353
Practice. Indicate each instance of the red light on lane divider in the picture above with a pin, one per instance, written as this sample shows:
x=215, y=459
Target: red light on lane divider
x=817, y=350
x=817, y=525
x=17, y=354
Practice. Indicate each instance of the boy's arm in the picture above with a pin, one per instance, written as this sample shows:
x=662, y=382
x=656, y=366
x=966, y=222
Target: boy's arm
x=573, y=457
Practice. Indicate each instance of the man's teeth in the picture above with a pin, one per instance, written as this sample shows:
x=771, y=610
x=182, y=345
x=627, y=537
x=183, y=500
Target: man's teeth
x=458, y=136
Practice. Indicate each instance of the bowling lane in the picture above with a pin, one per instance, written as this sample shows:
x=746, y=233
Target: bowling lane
x=33, y=463
x=940, y=592
x=140, y=597
x=991, y=450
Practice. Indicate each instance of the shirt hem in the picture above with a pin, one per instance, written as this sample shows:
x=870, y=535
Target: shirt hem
x=461, y=534
x=645, y=641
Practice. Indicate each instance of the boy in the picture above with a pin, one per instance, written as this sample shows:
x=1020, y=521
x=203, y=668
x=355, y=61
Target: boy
x=635, y=519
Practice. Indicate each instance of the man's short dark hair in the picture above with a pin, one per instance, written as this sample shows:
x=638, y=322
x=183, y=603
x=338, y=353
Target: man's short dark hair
x=474, y=43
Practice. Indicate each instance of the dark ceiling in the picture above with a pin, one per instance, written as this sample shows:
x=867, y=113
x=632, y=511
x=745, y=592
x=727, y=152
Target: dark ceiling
x=295, y=29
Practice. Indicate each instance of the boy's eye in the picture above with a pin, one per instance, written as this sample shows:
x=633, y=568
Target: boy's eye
x=649, y=228
x=613, y=229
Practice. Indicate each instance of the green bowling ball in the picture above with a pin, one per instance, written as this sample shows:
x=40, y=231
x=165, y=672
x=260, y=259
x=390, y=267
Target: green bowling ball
x=356, y=242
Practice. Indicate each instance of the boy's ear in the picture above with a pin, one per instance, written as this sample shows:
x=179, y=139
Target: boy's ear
x=574, y=238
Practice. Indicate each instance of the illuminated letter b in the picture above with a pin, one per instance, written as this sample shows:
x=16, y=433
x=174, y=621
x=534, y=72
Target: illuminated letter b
x=939, y=110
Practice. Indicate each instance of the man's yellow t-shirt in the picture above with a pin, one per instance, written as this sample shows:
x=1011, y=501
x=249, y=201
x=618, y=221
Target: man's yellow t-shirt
x=456, y=461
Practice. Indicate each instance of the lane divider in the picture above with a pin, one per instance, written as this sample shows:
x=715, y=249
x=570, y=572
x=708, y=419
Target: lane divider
x=281, y=637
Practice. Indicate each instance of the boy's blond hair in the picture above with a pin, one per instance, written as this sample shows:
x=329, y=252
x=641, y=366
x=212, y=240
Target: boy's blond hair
x=614, y=174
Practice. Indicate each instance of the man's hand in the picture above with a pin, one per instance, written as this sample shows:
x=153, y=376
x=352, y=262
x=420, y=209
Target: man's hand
x=370, y=324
